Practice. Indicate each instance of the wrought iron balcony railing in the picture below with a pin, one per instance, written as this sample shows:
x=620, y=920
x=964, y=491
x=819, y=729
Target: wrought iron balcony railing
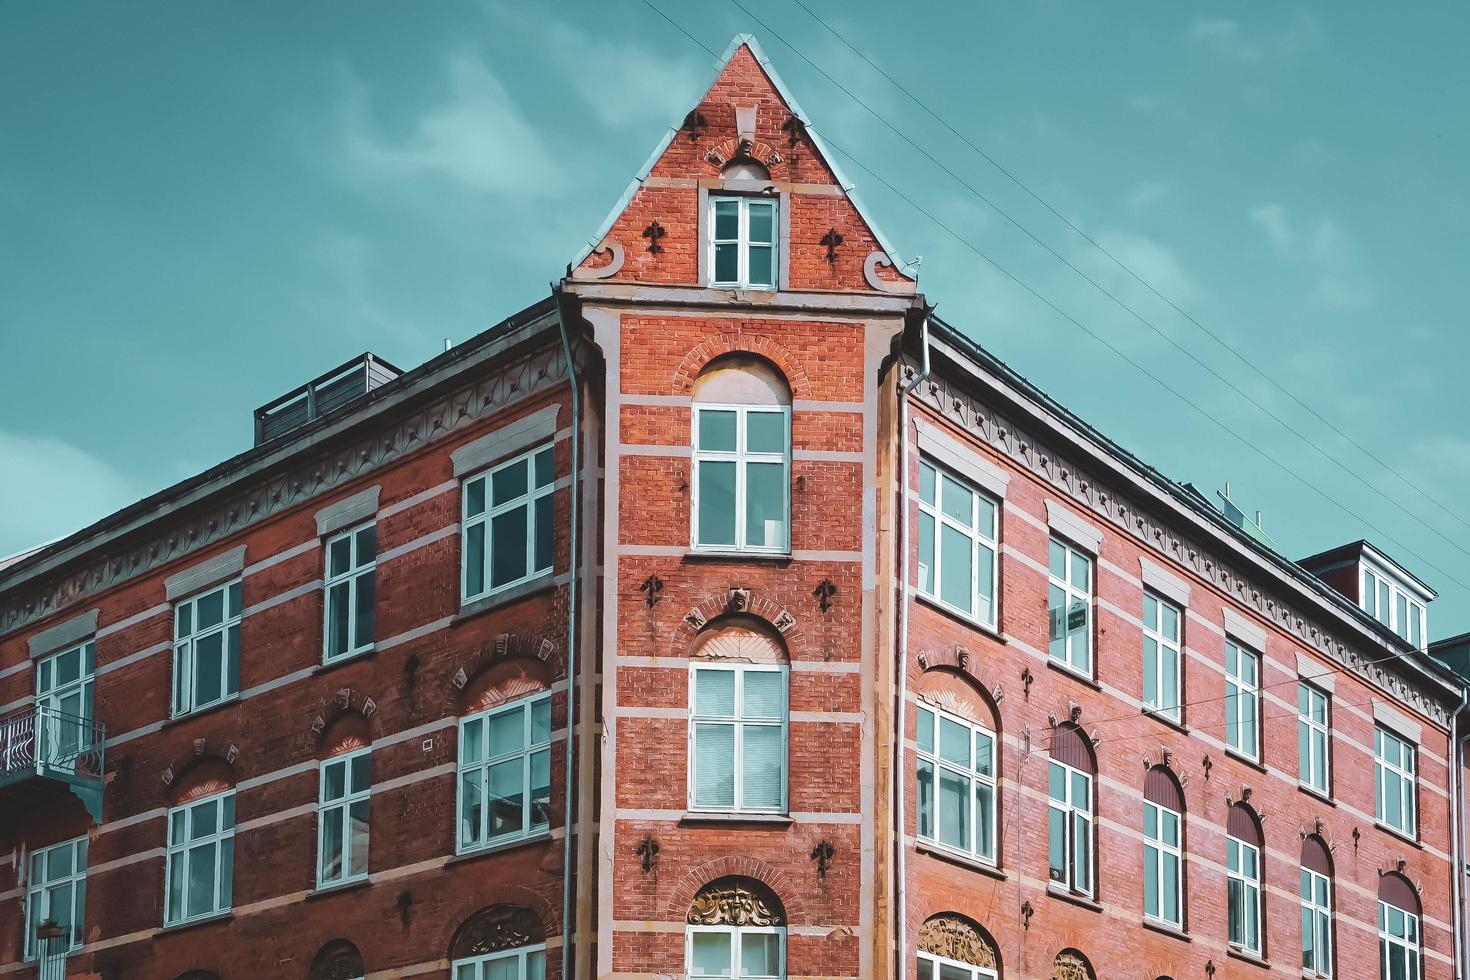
x=44, y=746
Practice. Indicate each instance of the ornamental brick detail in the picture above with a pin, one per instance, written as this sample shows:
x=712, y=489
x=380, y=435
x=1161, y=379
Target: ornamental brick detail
x=956, y=938
x=735, y=902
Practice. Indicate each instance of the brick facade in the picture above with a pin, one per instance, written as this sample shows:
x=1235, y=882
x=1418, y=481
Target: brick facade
x=843, y=334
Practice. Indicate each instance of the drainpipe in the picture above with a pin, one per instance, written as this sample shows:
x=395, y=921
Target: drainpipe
x=572, y=584
x=1457, y=830
x=900, y=778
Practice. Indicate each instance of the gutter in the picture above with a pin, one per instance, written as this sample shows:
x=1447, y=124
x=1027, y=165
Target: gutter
x=900, y=778
x=1457, y=832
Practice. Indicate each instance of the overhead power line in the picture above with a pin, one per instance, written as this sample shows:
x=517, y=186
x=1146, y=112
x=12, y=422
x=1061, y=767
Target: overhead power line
x=1094, y=335
x=1113, y=297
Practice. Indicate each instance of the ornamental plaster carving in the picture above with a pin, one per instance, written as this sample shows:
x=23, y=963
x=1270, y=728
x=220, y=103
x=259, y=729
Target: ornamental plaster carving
x=954, y=938
x=733, y=904
x=613, y=267
x=498, y=928
x=1070, y=965
x=495, y=390
x=1084, y=489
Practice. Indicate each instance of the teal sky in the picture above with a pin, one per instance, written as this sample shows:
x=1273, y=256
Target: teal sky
x=204, y=204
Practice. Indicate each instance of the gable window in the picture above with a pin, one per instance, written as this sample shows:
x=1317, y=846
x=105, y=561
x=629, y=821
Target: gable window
x=743, y=242
x=1394, y=782
x=1069, y=811
x=507, y=528
x=1243, y=880
x=1313, y=741
x=1242, y=700
x=1316, y=896
x=342, y=818
x=505, y=773
x=1069, y=606
x=1162, y=693
x=200, y=858
x=1387, y=602
x=64, y=704
x=741, y=493
x=957, y=544
x=1163, y=851
x=351, y=588
x=57, y=891
x=737, y=737
x=206, y=648
x=956, y=783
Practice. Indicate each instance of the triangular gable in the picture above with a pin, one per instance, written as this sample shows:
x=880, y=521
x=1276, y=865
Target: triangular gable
x=671, y=158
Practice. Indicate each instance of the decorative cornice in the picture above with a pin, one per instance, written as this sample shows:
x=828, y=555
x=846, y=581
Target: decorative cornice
x=465, y=407
x=1086, y=489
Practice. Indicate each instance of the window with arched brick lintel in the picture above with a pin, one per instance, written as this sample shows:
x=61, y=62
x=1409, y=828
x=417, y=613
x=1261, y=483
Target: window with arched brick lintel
x=502, y=941
x=1070, y=964
x=952, y=946
x=337, y=960
x=736, y=928
x=956, y=766
x=504, y=771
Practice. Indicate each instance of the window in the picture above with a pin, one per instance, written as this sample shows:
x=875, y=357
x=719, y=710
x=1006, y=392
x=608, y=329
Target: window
x=1313, y=743
x=201, y=858
x=1163, y=848
x=351, y=588
x=207, y=648
x=1316, y=892
x=505, y=773
x=932, y=966
x=957, y=535
x=507, y=532
x=1393, y=777
x=1243, y=892
x=1399, y=956
x=342, y=818
x=1069, y=827
x=1069, y=606
x=741, y=488
x=737, y=737
x=743, y=242
x=64, y=704
x=524, y=963
x=1242, y=700
x=744, y=952
x=960, y=756
x=1162, y=693
x=1388, y=603
x=57, y=890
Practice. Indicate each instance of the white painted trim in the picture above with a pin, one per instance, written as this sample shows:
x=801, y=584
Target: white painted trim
x=64, y=634
x=212, y=571
x=1062, y=521
x=346, y=512
x=1317, y=674
x=1164, y=582
x=965, y=460
x=1246, y=630
x=506, y=441
x=1396, y=721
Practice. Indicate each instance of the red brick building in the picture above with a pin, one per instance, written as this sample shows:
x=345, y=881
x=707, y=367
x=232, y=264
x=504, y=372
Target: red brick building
x=717, y=521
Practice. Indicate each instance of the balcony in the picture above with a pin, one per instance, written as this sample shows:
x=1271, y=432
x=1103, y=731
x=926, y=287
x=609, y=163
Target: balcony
x=45, y=754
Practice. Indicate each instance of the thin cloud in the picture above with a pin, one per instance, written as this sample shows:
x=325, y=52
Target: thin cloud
x=1231, y=39
x=52, y=488
x=1321, y=248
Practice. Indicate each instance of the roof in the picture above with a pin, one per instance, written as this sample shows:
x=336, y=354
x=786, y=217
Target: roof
x=1354, y=550
x=736, y=43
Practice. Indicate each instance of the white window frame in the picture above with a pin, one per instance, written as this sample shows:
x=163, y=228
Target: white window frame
x=474, y=967
x=1169, y=704
x=348, y=584
x=983, y=607
x=223, y=839
x=186, y=644
x=740, y=723
x=982, y=845
x=41, y=893
x=742, y=241
x=337, y=811
x=1387, y=601
x=1073, y=816
x=1316, y=736
x=1316, y=921
x=51, y=718
x=1158, y=853
x=527, y=752
x=742, y=457
x=1235, y=848
x=930, y=966
x=484, y=520
x=735, y=933
x=1410, y=944
x=1406, y=777
x=1072, y=651
x=1239, y=692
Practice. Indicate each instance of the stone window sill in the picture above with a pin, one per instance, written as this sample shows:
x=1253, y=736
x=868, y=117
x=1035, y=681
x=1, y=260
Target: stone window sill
x=332, y=665
x=504, y=597
x=1399, y=834
x=694, y=818
x=1244, y=759
x=1316, y=794
x=963, y=860
x=199, y=713
x=224, y=916
x=970, y=622
x=1166, y=721
x=322, y=891
x=540, y=837
x=1074, y=674
x=1166, y=929
x=774, y=558
x=1244, y=957
x=1082, y=901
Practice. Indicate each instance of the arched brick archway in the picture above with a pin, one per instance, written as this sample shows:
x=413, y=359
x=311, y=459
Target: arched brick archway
x=742, y=866
x=741, y=343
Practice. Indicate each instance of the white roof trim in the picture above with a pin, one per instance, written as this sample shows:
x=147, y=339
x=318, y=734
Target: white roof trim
x=739, y=41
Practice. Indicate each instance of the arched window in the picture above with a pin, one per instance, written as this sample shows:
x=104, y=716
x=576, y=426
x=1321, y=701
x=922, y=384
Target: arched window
x=503, y=942
x=1072, y=965
x=342, y=805
x=200, y=854
x=1399, y=955
x=738, y=676
x=956, y=768
x=736, y=931
x=337, y=960
x=1071, y=772
x=952, y=947
x=1163, y=848
x=741, y=495
x=505, y=756
x=1244, y=849
x=1316, y=895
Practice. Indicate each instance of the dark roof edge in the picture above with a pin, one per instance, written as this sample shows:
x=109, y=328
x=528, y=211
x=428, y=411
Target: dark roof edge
x=1175, y=493
x=497, y=340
